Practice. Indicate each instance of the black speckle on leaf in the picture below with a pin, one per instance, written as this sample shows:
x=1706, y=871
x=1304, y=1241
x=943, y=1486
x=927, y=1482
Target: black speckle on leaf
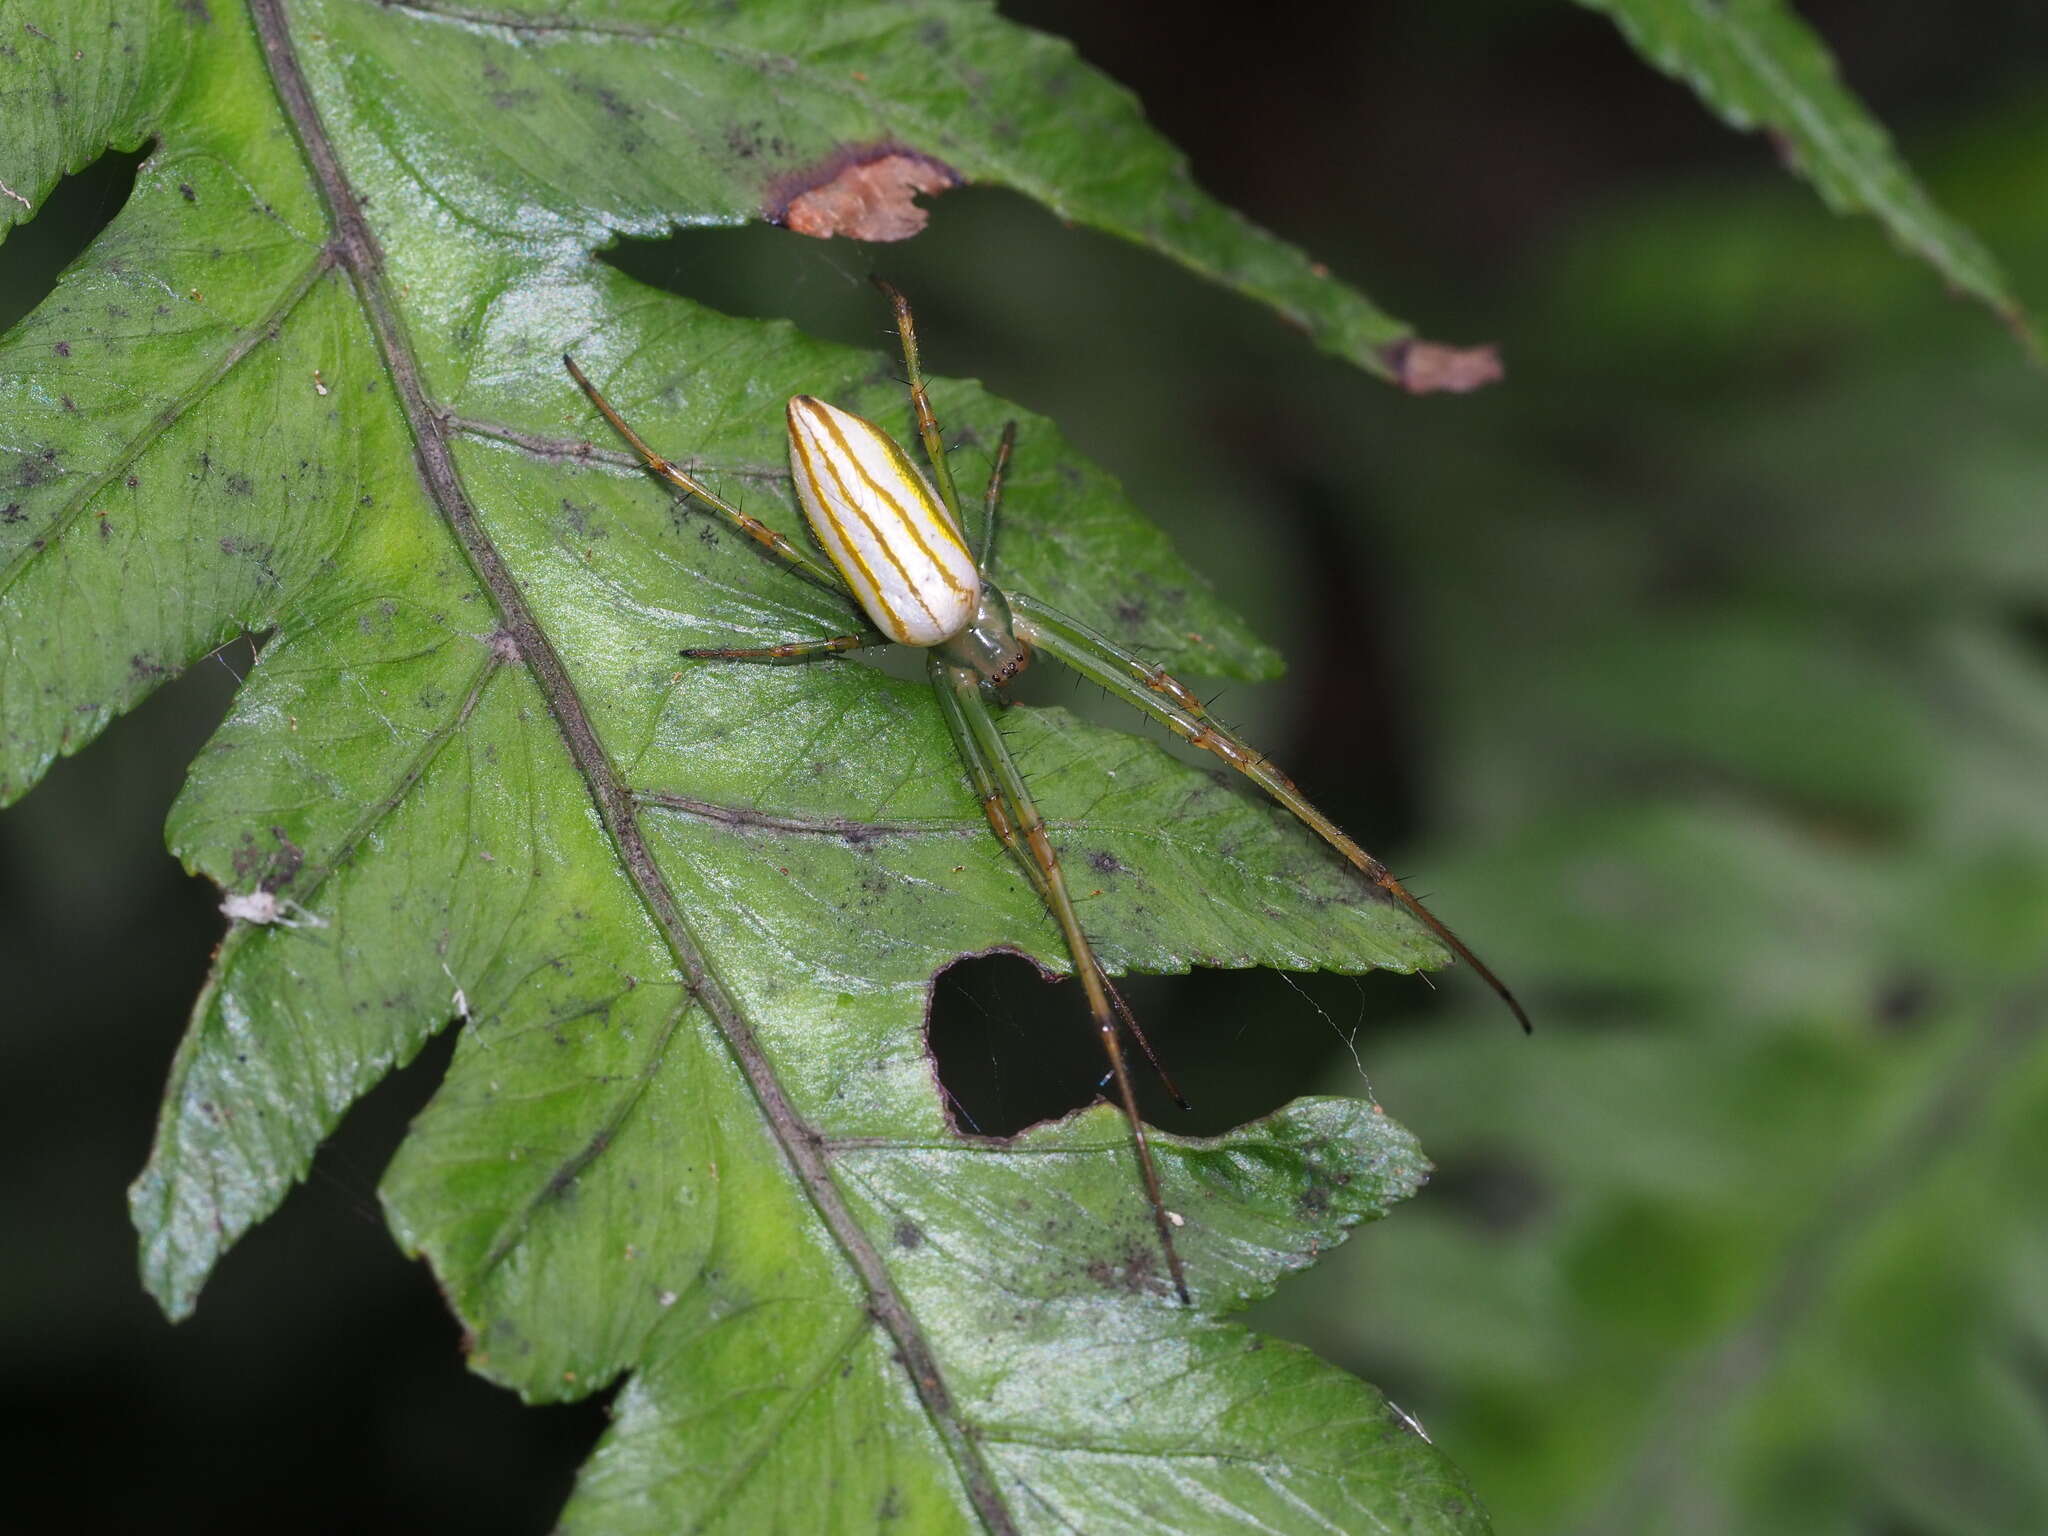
x=185, y=191
x=12, y=513
x=908, y=1234
x=62, y=349
x=1133, y=1275
x=239, y=485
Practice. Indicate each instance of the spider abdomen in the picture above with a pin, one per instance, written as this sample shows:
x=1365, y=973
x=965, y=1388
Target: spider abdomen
x=877, y=518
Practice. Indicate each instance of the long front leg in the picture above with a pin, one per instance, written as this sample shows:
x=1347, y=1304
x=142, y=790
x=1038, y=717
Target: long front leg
x=921, y=403
x=683, y=480
x=1152, y=689
x=787, y=650
x=1009, y=804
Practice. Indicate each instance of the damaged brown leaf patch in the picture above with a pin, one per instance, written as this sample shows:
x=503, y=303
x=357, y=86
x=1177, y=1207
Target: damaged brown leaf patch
x=861, y=192
x=1431, y=368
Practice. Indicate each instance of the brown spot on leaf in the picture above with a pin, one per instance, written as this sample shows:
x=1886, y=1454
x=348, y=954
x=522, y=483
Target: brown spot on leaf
x=1133, y=1276
x=1431, y=368
x=862, y=192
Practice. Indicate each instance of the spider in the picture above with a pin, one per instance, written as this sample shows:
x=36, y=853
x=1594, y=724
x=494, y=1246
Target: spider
x=897, y=548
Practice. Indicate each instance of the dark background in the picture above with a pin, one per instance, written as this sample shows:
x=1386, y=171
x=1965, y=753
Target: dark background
x=1459, y=163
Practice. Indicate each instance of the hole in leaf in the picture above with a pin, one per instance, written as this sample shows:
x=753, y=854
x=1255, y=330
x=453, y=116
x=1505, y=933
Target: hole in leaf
x=82, y=205
x=1013, y=1051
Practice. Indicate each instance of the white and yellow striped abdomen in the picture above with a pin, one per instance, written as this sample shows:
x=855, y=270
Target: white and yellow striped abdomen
x=878, y=519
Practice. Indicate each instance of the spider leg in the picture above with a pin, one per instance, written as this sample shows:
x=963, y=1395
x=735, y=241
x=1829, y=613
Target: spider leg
x=994, y=808
x=921, y=403
x=683, y=480
x=788, y=650
x=1015, y=818
x=1153, y=690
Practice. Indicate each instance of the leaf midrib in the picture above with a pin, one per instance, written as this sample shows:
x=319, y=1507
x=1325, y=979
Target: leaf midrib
x=356, y=249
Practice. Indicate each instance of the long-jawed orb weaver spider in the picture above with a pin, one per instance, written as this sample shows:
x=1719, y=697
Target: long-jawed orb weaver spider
x=898, y=549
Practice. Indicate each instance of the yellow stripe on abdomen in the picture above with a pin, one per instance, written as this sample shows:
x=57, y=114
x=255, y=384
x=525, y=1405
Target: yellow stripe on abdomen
x=880, y=523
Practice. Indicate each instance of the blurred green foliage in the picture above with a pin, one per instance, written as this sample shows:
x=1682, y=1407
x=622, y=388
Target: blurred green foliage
x=1751, y=707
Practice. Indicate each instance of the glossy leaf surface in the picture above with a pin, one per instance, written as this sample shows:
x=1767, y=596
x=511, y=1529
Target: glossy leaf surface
x=307, y=383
